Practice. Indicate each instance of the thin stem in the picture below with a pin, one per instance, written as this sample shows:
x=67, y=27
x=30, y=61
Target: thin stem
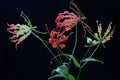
x=74, y=11
x=75, y=44
x=80, y=12
x=91, y=55
x=91, y=34
x=79, y=74
x=47, y=29
x=45, y=46
x=86, y=53
x=86, y=61
x=59, y=56
x=75, y=41
x=26, y=19
x=62, y=53
x=39, y=31
x=103, y=45
x=80, y=62
x=85, y=27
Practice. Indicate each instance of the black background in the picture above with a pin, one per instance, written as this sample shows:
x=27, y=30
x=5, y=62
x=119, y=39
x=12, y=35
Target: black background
x=31, y=60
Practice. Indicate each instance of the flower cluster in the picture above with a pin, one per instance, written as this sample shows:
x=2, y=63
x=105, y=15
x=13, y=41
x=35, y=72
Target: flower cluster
x=20, y=32
x=57, y=39
x=98, y=35
x=64, y=22
x=67, y=20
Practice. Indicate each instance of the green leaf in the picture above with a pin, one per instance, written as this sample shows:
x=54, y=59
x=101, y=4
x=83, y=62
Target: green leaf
x=70, y=77
x=53, y=71
x=57, y=75
x=60, y=69
x=76, y=63
x=92, y=60
x=66, y=76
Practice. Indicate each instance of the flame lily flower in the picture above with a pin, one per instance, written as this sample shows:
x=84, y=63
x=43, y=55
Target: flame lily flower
x=20, y=33
x=98, y=35
x=67, y=20
x=57, y=39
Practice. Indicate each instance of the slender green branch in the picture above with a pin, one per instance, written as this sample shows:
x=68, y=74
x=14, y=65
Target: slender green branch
x=59, y=56
x=86, y=61
x=86, y=52
x=46, y=46
x=103, y=45
x=91, y=55
x=79, y=73
x=39, y=31
x=80, y=62
x=26, y=19
x=75, y=44
x=91, y=33
x=76, y=35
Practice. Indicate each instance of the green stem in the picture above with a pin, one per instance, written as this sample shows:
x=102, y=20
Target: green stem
x=86, y=52
x=39, y=31
x=91, y=55
x=59, y=56
x=80, y=62
x=26, y=19
x=75, y=44
x=103, y=45
x=86, y=61
x=79, y=74
x=91, y=33
x=45, y=46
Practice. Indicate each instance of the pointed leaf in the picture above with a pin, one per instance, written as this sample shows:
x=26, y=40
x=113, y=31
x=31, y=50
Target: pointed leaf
x=70, y=77
x=76, y=63
x=63, y=69
x=57, y=75
x=53, y=71
x=92, y=60
x=66, y=76
x=74, y=60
